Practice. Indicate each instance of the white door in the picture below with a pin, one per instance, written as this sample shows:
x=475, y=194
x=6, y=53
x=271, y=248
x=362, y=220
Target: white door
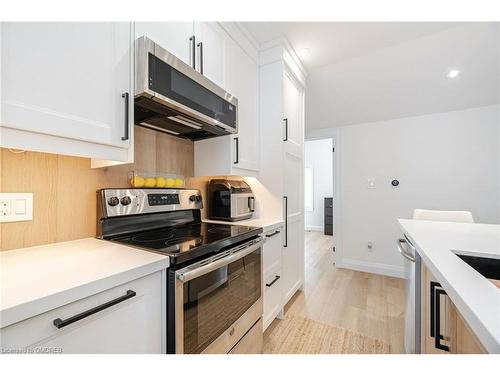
x=293, y=119
x=173, y=36
x=293, y=250
x=67, y=79
x=243, y=82
x=211, y=51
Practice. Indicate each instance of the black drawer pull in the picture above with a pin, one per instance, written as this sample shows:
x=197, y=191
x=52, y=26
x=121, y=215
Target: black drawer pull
x=276, y=278
x=59, y=323
x=125, y=137
x=272, y=234
x=437, y=334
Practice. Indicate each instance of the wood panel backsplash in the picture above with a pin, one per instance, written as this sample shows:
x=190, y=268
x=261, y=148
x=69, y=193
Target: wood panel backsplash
x=64, y=187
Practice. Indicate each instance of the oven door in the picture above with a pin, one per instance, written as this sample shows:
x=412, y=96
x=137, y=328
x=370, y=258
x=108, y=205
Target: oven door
x=218, y=300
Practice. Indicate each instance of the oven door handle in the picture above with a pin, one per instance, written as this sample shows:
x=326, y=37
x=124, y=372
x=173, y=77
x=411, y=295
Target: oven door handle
x=185, y=275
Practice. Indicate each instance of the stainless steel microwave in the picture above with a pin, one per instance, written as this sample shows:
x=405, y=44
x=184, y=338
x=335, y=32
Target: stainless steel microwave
x=172, y=97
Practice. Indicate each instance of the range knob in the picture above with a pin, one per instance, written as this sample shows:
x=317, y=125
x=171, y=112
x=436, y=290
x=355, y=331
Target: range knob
x=126, y=200
x=113, y=201
x=192, y=198
x=198, y=198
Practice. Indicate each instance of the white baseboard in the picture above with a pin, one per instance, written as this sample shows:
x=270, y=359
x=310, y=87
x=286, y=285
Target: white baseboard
x=315, y=228
x=370, y=267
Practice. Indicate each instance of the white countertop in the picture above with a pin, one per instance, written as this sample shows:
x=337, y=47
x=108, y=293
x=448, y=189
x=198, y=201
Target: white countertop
x=477, y=299
x=265, y=224
x=40, y=278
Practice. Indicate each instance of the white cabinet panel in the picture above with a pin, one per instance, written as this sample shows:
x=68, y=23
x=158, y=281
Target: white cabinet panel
x=67, y=80
x=293, y=257
x=293, y=114
x=131, y=326
x=173, y=36
x=211, y=51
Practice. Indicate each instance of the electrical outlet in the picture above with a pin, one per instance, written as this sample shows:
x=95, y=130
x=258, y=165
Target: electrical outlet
x=16, y=207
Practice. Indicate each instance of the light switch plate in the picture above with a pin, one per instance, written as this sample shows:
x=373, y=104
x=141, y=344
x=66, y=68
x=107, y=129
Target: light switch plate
x=16, y=207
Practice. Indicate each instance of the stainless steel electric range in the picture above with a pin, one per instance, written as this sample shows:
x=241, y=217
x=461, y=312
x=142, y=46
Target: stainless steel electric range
x=214, y=289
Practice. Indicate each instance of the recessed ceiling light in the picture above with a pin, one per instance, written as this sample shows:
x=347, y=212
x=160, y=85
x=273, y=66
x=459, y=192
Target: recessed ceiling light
x=303, y=52
x=453, y=73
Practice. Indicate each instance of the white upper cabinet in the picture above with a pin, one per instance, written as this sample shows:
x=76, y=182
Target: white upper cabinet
x=211, y=45
x=67, y=84
x=175, y=37
x=237, y=154
x=293, y=116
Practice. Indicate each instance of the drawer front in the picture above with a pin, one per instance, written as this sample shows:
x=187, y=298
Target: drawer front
x=133, y=325
x=272, y=249
x=272, y=294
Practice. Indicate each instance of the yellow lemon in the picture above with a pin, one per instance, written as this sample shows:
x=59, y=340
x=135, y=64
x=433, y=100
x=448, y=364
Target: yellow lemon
x=160, y=182
x=179, y=182
x=170, y=182
x=137, y=181
x=150, y=182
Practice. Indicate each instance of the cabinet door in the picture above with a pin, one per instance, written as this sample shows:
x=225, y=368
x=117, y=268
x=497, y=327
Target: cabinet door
x=173, y=36
x=243, y=82
x=293, y=116
x=133, y=325
x=67, y=79
x=211, y=51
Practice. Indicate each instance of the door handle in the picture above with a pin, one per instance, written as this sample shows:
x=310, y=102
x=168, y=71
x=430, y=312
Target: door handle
x=276, y=278
x=192, y=39
x=236, y=150
x=200, y=46
x=402, y=251
x=285, y=121
x=125, y=137
x=437, y=333
x=285, y=199
x=60, y=323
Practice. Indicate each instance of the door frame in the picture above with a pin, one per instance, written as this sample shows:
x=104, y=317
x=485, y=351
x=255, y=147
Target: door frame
x=334, y=135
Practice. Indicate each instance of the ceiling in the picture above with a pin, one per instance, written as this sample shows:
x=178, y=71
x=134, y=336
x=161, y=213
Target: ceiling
x=406, y=79
x=331, y=42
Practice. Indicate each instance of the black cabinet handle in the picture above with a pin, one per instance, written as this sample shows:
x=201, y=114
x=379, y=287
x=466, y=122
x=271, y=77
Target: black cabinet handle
x=200, y=46
x=285, y=120
x=276, y=278
x=285, y=198
x=272, y=234
x=59, y=323
x=251, y=204
x=237, y=150
x=437, y=332
x=192, y=39
x=125, y=95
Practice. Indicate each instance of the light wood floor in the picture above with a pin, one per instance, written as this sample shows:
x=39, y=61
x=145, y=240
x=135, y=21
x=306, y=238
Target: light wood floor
x=370, y=304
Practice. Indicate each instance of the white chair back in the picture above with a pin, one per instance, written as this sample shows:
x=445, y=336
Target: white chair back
x=435, y=215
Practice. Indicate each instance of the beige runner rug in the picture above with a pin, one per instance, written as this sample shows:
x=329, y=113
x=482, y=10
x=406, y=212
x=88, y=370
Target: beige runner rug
x=299, y=335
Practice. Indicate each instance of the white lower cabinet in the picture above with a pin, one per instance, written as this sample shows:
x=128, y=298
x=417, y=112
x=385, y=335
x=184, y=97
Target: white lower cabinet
x=272, y=279
x=129, y=325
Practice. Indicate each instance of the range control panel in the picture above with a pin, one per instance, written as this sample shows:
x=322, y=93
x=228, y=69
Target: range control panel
x=122, y=202
x=163, y=199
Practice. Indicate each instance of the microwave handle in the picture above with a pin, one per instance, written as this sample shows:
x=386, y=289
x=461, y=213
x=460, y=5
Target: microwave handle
x=192, y=39
x=185, y=276
x=251, y=204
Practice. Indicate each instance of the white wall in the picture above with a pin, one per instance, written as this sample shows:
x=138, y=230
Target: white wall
x=318, y=157
x=446, y=161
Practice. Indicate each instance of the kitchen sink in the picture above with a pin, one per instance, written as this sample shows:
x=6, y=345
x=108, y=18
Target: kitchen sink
x=488, y=267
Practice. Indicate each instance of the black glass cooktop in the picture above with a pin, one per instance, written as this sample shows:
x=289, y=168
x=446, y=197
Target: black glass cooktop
x=189, y=241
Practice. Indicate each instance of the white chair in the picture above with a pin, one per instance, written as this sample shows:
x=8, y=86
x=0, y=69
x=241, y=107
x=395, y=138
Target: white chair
x=435, y=215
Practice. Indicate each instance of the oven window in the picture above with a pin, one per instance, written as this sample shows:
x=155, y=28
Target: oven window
x=214, y=301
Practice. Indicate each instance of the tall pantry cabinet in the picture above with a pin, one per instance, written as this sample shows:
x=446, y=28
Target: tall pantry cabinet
x=282, y=85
